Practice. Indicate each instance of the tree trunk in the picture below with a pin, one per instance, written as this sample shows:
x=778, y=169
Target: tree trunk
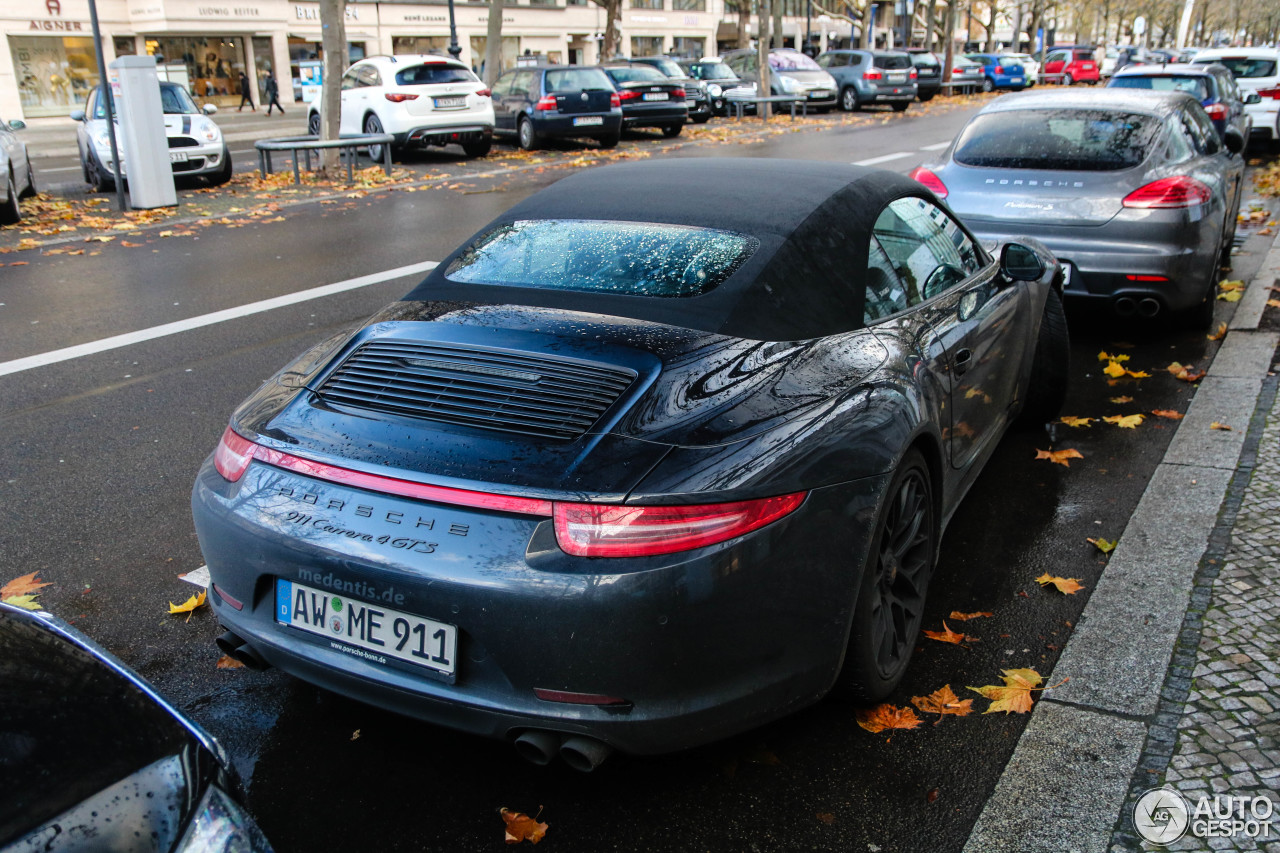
x=948, y=41
x=776, y=8
x=764, y=78
x=493, y=44
x=1017, y=28
x=612, y=38
x=744, y=24
x=867, y=37
x=930, y=18
x=333, y=41
x=991, y=29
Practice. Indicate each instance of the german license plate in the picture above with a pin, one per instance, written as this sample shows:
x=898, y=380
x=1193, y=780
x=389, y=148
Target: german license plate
x=897, y=78
x=367, y=631
x=583, y=121
x=1017, y=81
x=177, y=156
x=691, y=104
x=656, y=96
x=819, y=93
x=446, y=103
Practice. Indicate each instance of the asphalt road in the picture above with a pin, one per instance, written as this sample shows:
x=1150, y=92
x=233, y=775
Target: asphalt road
x=100, y=451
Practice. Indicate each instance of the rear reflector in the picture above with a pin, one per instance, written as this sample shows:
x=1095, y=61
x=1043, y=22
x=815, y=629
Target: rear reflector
x=1178, y=191
x=578, y=698
x=233, y=603
x=1147, y=277
x=606, y=530
x=930, y=180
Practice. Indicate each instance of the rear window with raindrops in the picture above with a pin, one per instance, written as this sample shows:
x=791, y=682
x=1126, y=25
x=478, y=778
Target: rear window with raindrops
x=626, y=258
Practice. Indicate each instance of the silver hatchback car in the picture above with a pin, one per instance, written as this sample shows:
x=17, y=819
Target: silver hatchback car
x=1133, y=191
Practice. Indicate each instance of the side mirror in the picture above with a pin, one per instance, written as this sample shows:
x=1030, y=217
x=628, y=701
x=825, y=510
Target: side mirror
x=209, y=109
x=1021, y=263
x=77, y=115
x=15, y=124
x=1253, y=98
x=1233, y=139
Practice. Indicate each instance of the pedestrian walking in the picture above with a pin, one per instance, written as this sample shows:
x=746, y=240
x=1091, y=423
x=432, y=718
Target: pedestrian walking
x=272, y=93
x=244, y=93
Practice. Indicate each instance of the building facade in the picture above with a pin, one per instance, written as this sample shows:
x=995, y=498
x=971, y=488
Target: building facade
x=48, y=65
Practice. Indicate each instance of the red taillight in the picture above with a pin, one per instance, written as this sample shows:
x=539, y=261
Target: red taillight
x=872, y=74
x=233, y=455
x=1180, y=191
x=1273, y=93
x=627, y=95
x=913, y=74
x=484, y=93
x=399, y=97
x=930, y=180
x=678, y=94
x=614, y=100
x=546, y=102
x=999, y=69
x=957, y=71
x=1147, y=277
x=603, y=530
x=1216, y=111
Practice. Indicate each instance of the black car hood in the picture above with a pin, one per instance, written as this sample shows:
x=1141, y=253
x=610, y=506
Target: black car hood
x=85, y=751
x=690, y=389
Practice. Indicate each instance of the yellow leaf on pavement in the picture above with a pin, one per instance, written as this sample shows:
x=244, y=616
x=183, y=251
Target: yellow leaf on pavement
x=965, y=617
x=1220, y=334
x=189, y=605
x=1168, y=413
x=1066, y=586
x=24, y=585
x=1125, y=421
x=1106, y=356
x=1221, y=426
x=943, y=702
x=1114, y=369
x=26, y=602
x=1102, y=545
x=1072, y=421
x=1015, y=695
x=1060, y=457
x=1120, y=400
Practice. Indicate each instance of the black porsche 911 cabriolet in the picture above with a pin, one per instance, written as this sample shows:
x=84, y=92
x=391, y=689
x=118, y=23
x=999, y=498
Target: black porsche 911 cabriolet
x=649, y=460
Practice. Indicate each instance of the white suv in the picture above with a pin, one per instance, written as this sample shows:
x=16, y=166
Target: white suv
x=1255, y=71
x=421, y=100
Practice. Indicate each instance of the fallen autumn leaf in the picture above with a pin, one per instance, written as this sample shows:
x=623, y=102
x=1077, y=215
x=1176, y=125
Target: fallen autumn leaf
x=943, y=702
x=521, y=827
x=1066, y=586
x=1102, y=545
x=1014, y=696
x=1060, y=457
x=887, y=716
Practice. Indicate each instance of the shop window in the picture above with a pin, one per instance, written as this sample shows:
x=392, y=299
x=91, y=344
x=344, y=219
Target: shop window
x=124, y=45
x=646, y=45
x=646, y=4
x=684, y=47
x=510, y=50
x=54, y=74
x=402, y=45
x=689, y=6
x=213, y=64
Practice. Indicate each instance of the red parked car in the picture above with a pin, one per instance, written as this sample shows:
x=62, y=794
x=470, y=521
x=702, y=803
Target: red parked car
x=1074, y=63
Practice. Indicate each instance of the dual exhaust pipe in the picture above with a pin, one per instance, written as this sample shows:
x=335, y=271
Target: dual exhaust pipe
x=537, y=746
x=580, y=752
x=1127, y=306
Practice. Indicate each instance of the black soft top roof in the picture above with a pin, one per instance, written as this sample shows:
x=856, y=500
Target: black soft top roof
x=812, y=220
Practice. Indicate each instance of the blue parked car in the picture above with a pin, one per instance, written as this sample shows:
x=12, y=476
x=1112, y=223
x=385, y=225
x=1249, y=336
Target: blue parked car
x=1212, y=85
x=999, y=73
x=556, y=102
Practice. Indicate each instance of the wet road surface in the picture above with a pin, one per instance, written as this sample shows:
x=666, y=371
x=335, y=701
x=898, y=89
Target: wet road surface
x=101, y=451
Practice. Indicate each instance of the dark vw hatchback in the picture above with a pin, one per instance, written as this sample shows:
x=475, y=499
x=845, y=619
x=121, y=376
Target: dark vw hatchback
x=628, y=472
x=649, y=98
x=556, y=102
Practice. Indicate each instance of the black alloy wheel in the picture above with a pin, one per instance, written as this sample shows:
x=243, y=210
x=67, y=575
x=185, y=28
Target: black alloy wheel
x=901, y=106
x=610, y=141
x=672, y=130
x=313, y=124
x=30, y=191
x=988, y=85
x=890, y=606
x=373, y=125
x=479, y=148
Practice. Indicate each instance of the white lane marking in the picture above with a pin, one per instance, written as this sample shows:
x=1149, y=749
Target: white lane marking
x=117, y=341
x=937, y=146
x=883, y=158
x=58, y=169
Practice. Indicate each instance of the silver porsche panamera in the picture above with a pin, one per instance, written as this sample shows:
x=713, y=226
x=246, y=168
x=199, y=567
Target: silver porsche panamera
x=1132, y=191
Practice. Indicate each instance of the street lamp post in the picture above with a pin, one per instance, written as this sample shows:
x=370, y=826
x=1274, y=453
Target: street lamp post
x=455, y=49
x=108, y=104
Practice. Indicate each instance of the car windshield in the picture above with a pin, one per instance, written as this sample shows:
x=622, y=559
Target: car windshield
x=174, y=100
x=1066, y=140
x=1242, y=67
x=636, y=73
x=667, y=67
x=792, y=60
x=711, y=71
x=577, y=80
x=1195, y=86
x=630, y=258
x=425, y=75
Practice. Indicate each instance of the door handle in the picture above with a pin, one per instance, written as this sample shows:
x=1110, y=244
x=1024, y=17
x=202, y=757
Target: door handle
x=961, y=360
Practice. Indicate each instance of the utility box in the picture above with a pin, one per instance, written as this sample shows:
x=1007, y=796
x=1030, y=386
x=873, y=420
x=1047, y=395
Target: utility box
x=144, y=146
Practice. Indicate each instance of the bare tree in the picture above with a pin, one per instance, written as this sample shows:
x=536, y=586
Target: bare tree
x=333, y=40
x=493, y=43
x=612, y=45
x=764, y=84
x=930, y=18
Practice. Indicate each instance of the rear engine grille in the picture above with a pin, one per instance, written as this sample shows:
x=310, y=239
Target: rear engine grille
x=513, y=392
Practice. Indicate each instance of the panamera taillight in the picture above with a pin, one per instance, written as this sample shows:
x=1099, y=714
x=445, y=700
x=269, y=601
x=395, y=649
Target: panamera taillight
x=606, y=530
x=233, y=455
x=1178, y=191
x=930, y=180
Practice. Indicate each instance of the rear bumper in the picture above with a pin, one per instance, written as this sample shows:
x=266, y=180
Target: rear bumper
x=655, y=116
x=701, y=644
x=421, y=137
x=562, y=126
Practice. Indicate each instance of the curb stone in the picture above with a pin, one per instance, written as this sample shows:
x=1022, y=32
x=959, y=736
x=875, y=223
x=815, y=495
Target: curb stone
x=1092, y=745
